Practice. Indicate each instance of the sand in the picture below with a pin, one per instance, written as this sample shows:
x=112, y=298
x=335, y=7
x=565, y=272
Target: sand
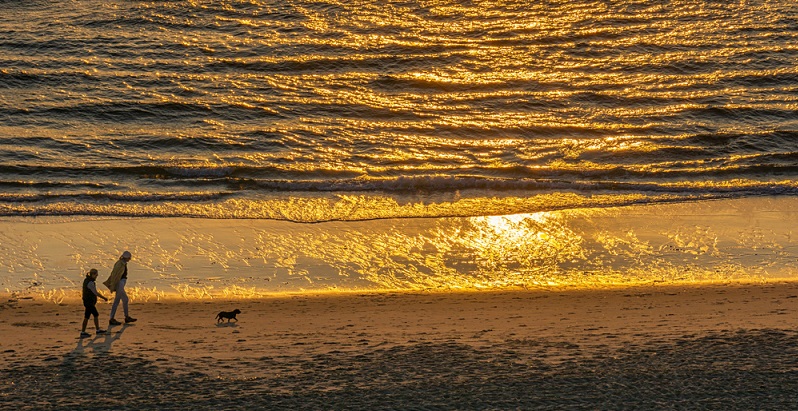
x=727, y=346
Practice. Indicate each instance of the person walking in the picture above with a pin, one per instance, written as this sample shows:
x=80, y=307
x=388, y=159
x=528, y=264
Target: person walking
x=116, y=283
x=90, y=295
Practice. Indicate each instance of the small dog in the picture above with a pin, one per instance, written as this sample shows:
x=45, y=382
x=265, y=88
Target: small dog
x=230, y=315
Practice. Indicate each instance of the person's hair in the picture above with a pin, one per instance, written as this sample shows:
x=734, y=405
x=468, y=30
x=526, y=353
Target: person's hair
x=92, y=271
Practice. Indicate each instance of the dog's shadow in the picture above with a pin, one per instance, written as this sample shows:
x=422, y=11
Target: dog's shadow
x=231, y=324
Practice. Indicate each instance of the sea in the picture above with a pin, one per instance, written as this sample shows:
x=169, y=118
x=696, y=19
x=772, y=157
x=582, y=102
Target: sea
x=316, y=145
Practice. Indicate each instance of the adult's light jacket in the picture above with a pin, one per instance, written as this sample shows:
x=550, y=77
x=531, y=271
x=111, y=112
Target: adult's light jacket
x=116, y=274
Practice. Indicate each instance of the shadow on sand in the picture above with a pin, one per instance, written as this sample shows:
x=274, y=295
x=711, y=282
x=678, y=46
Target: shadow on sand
x=101, y=344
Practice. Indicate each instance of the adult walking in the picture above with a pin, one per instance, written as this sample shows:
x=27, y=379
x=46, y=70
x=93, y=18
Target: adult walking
x=116, y=283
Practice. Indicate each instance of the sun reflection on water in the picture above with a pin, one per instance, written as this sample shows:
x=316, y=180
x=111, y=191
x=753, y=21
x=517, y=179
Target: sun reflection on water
x=593, y=247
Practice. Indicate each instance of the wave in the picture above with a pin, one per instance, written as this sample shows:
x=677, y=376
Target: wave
x=403, y=197
x=133, y=197
x=643, y=170
x=308, y=209
x=447, y=184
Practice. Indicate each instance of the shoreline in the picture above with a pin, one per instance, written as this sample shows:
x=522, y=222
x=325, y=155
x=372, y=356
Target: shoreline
x=717, y=241
x=137, y=295
x=361, y=348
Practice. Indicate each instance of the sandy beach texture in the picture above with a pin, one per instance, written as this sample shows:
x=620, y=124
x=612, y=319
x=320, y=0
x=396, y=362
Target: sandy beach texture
x=725, y=347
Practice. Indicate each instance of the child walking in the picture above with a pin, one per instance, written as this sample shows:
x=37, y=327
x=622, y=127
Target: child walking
x=90, y=295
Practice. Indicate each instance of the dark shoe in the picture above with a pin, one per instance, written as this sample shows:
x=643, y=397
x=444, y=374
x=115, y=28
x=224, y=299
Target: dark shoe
x=84, y=334
x=100, y=331
x=114, y=322
x=130, y=320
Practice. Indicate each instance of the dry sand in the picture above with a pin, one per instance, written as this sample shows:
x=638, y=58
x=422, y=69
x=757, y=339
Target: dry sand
x=695, y=347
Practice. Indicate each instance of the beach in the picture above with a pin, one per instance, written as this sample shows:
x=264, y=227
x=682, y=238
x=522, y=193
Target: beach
x=414, y=205
x=721, y=346
x=657, y=306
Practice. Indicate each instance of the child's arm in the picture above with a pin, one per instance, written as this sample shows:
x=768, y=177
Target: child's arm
x=93, y=288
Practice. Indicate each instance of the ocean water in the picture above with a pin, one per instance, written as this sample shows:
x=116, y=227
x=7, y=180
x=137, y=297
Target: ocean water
x=328, y=110
x=348, y=111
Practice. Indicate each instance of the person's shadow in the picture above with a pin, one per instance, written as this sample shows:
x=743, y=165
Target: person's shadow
x=100, y=345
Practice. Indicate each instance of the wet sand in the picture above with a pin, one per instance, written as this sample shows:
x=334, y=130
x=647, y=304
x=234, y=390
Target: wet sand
x=695, y=347
x=725, y=240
